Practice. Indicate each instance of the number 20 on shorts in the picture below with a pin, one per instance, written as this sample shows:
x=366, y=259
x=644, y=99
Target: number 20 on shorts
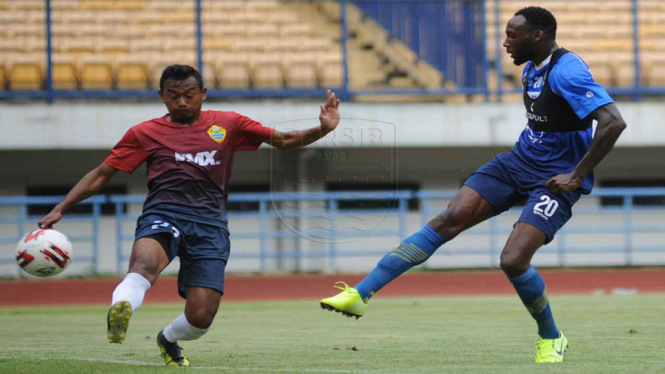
x=546, y=206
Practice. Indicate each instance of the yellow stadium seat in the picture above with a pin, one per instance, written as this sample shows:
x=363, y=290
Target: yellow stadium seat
x=170, y=6
x=64, y=5
x=36, y=17
x=116, y=18
x=301, y=71
x=302, y=29
x=209, y=75
x=267, y=71
x=246, y=45
x=164, y=31
x=213, y=44
x=21, y=30
x=330, y=72
x=224, y=30
x=78, y=45
x=259, y=31
x=34, y=44
x=147, y=45
x=26, y=5
x=602, y=73
x=3, y=77
x=233, y=71
x=26, y=73
x=316, y=44
x=213, y=20
x=64, y=72
x=228, y=6
x=261, y=6
x=624, y=75
x=97, y=30
x=129, y=5
x=62, y=31
x=176, y=46
x=657, y=76
x=150, y=18
x=180, y=17
x=11, y=45
x=96, y=72
x=111, y=4
x=113, y=46
x=79, y=18
x=130, y=32
x=284, y=18
x=132, y=71
x=9, y=19
x=286, y=44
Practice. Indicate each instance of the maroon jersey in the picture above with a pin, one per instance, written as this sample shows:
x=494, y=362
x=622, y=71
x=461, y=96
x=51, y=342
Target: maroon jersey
x=188, y=166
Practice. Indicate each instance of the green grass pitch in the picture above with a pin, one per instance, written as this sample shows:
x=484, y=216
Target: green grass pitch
x=608, y=334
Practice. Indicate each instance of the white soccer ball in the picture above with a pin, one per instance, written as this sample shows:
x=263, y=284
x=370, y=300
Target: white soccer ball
x=44, y=252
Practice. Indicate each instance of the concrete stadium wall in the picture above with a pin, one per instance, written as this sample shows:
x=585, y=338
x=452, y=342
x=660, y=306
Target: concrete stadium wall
x=84, y=125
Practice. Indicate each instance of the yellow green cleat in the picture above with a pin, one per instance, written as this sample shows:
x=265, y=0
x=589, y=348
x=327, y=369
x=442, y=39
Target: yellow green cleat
x=117, y=321
x=171, y=352
x=348, y=302
x=551, y=350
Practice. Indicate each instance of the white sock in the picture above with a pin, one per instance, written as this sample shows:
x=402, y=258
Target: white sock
x=180, y=329
x=132, y=289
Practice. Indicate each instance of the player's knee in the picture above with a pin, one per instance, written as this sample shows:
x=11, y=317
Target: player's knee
x=201, y=318
x=513, y=265
x=147, y=270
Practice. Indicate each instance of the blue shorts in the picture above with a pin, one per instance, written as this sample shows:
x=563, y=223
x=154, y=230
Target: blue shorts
x=203, y=249
x=503, y=183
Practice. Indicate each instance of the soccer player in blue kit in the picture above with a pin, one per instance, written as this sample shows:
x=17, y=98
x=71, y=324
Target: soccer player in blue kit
x=550, y=165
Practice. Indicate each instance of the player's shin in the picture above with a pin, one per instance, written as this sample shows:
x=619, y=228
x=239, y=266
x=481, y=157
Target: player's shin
x=531, y=289
x=131, y=289
x=181, y=329
x=413, y=251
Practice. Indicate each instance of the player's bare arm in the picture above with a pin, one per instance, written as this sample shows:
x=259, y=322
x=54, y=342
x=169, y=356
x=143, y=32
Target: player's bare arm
x=86, y=187
x=329, y=118
x=609, y=128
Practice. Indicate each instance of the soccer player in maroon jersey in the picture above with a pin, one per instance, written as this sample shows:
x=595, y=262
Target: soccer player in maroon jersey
x=189, y=154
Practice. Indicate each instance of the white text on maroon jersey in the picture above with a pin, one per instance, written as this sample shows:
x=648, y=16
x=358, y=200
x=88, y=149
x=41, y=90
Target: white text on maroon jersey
x=201, y=158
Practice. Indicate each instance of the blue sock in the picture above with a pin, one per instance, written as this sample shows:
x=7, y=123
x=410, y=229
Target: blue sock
x=413, y=251
x=531, y=289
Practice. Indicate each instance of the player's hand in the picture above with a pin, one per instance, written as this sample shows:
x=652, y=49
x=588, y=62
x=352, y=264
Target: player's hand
x=50, y=220
x=329, y=116
x=563, y=183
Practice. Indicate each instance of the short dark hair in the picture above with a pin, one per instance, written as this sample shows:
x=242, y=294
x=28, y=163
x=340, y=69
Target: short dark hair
x=540, y=19
x=180, y=73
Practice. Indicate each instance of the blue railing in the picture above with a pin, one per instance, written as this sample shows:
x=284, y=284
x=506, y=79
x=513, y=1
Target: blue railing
x=335, y=241
x=448, y=34
x=21, y=222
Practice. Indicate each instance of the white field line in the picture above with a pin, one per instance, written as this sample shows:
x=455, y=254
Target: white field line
x=218, y=368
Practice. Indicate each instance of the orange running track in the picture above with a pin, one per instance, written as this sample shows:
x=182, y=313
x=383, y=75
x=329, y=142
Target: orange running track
x=314, y=287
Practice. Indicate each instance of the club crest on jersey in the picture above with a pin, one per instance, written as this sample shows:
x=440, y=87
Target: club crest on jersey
x=217, y=133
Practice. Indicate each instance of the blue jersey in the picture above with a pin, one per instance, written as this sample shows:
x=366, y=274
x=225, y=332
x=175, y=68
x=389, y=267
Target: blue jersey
x=548, y=153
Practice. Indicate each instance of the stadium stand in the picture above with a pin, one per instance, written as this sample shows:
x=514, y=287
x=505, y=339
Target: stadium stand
x=123, y=44
x=607, y=50
x=257, y=44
